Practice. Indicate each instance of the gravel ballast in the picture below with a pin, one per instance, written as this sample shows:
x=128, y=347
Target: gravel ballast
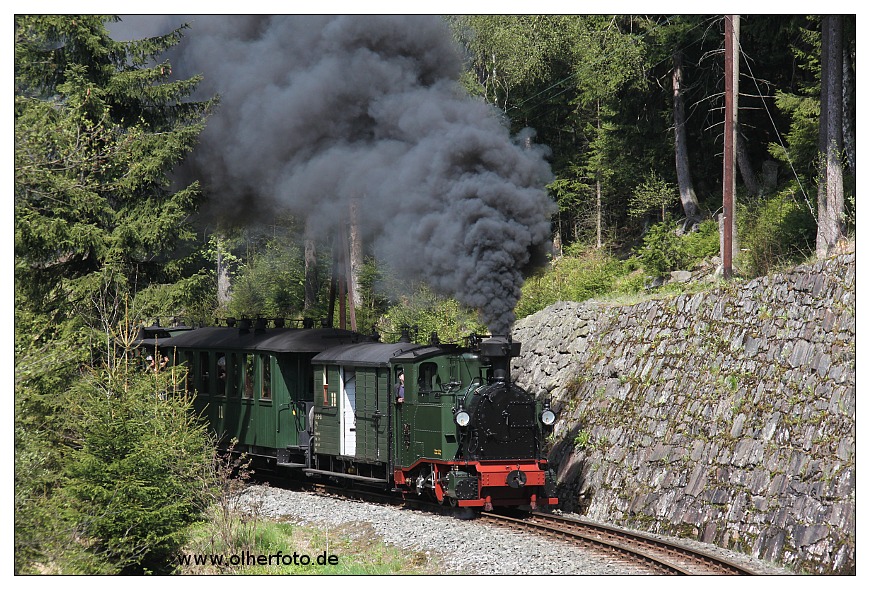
x=452, y=545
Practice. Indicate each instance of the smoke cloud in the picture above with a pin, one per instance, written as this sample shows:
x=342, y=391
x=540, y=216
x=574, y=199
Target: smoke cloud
x=320, y=111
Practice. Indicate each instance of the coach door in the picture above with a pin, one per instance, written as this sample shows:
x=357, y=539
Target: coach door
x=348, y=411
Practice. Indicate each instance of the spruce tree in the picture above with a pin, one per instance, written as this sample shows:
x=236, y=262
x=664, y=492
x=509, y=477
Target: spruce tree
x=99, y=127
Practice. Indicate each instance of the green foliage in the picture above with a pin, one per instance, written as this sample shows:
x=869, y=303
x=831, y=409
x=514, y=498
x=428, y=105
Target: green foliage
x=99, y=127
x=271, y=284
x=268, y=274
x=426, y=312
x=702, y=242
x=778, y=231
x=581, y=441
x=96, y=136
x=511, y=52
x=588, y=274
x=135, y=481
x=800, y=151
x=664, y=250
x=653, y=195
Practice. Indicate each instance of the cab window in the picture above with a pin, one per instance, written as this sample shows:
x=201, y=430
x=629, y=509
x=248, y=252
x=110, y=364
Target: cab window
x=429, y=380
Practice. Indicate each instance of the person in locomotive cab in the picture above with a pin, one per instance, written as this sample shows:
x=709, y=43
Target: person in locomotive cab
x=400, y=387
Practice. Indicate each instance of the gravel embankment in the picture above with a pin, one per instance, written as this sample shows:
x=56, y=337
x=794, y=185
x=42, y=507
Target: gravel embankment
x=456, y=546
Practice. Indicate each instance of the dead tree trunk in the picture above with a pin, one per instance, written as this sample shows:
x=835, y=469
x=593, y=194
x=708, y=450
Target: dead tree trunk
x=312, y=283
x=684, y=176
x=830, y=194
x=223, y=275
x=356, y=255
x=753, y=187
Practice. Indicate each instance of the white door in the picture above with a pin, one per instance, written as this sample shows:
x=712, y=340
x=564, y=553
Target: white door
x=348, y=412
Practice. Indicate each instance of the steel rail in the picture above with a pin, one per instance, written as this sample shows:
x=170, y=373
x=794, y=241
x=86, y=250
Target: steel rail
x=661, y=556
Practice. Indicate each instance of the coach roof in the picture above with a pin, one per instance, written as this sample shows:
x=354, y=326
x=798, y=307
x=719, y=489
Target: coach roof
x=371, y=354
x=272, y=339
x=376, y=354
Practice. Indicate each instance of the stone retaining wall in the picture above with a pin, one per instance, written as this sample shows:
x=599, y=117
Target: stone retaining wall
x=726, y=416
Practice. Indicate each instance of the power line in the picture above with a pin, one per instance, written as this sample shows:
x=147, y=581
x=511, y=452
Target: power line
x=590, y=65
x=776, y=130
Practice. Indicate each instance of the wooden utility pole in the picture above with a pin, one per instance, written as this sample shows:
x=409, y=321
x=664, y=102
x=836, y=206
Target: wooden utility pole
x=728, y=181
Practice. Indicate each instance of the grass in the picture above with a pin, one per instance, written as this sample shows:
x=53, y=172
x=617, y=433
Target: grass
x=285, y=548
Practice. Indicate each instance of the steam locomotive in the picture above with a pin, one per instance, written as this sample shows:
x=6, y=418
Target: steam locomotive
x=437, y=420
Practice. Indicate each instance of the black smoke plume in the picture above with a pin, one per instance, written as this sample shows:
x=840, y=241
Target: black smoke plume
x=319, y=111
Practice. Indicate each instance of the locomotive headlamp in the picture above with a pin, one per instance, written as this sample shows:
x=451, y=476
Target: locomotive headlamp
x=461, y=417
x=548, y=416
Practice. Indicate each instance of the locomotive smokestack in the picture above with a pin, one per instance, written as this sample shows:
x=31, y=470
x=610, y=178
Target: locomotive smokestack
x=500, y=350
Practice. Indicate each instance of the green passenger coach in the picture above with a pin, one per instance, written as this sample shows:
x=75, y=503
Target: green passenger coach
x=254, y=384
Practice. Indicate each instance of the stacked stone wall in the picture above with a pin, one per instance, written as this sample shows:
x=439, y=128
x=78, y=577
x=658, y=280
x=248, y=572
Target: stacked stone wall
x=726, y=416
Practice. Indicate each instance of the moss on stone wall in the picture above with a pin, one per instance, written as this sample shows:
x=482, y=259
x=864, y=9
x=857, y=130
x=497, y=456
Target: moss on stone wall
x=726, y=416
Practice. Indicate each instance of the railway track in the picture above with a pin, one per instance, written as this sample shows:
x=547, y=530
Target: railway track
x=649, y=553
x=646, y=552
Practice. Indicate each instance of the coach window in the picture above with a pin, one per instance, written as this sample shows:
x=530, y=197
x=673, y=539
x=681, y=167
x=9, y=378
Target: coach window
x=249, y=376
x=266, y=389
x=203, y=373
x=232, y=375
x=188, y=376
x=221, y=373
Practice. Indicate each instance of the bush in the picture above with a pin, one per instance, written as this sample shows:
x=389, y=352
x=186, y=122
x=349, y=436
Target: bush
x=576, y=278
x=664, y=250
x=777, y=232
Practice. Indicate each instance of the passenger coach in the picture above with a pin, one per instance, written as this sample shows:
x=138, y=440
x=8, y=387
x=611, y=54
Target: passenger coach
x=254, y=383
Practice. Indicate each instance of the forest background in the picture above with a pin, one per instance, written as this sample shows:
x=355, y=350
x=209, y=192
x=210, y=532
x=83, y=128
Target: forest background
x=631, y=109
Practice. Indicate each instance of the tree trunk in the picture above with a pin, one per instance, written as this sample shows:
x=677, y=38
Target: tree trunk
x=831, y=205
x=598, y=212
x=849, y=138
x=223, y=276
x=356, y=255
x=753, y=187
x=346, y=285
x=684, y=176
x=312, y=284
